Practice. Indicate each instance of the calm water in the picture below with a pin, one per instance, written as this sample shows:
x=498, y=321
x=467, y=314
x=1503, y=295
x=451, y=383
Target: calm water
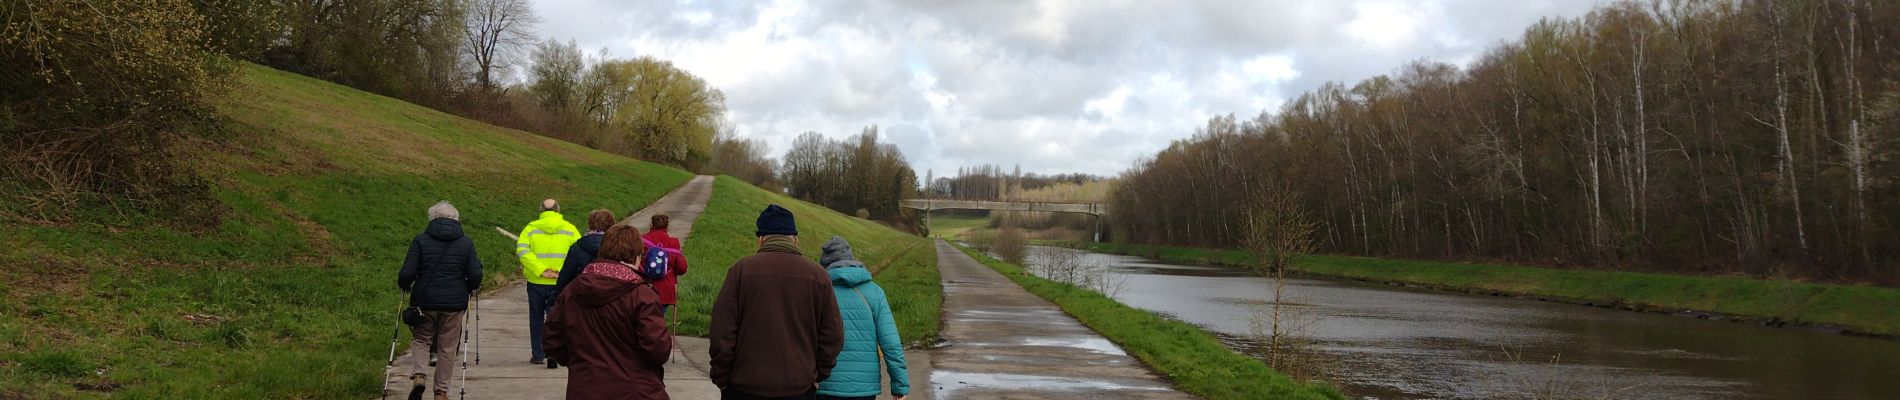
x=1390, y=342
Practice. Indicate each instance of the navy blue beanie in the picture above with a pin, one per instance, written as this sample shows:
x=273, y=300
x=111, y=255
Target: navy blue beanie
x=777, y=220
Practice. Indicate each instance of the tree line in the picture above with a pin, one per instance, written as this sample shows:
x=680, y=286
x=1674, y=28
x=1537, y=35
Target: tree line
x=858, y=175
x=746, y=159
x=1751, y=136
x=991, y=182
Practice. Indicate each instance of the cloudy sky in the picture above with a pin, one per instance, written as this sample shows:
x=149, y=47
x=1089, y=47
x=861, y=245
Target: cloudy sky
x=1056, y=86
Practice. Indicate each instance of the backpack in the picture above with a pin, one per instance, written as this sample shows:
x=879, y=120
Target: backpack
x=656, y=262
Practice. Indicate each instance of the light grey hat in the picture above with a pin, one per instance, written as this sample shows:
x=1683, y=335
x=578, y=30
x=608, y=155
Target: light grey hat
x=836, y=250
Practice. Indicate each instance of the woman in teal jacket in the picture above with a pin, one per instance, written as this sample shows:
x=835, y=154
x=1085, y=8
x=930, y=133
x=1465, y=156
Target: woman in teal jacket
x=868, y=329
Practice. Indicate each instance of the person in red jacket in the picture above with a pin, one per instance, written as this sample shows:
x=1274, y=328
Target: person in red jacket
x=668, y=286
x=606, y=326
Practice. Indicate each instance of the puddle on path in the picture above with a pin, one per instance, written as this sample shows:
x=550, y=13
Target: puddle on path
x=949, y=382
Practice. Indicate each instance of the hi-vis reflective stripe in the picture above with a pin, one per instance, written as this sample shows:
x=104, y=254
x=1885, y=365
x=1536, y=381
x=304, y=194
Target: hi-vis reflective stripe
x=524, y=251
x=541, y=232
x=551, y=255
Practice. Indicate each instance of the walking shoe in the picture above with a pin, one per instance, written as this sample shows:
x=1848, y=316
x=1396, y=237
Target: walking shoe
x=421, y=382
x=431, y=359
x=536, y=360
x=441, y=395
x=553, y=364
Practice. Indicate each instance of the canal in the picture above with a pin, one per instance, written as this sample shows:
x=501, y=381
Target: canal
x=1392, y=342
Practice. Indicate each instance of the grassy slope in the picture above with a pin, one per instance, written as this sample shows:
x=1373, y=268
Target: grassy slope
x=907, y=265
x=1871, y=310
x=1195, y=360
x=953, y=226
x=291, y=294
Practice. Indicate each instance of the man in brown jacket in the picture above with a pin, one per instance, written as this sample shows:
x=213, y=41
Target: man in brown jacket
x=775, y=328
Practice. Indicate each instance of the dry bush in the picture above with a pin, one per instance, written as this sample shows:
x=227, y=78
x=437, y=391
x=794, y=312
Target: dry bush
x=1009, y=244
x=1280, y=329
x=746, y=159
x=1072, y=267
x=1047, y=225
x=93, y=97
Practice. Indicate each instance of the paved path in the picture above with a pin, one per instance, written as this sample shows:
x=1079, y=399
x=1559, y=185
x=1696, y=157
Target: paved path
x=1005, y=343
x=504, y=372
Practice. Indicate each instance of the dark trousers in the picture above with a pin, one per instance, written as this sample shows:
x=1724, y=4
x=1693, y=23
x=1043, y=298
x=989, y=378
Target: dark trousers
x=735, y=394
x=540, y=299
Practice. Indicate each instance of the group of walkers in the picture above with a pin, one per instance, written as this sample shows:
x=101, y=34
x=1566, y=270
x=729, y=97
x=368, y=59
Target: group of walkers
x=783, y=326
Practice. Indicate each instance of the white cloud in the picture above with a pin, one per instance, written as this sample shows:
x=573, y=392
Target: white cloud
x=1052, y=85
x=1385, y=23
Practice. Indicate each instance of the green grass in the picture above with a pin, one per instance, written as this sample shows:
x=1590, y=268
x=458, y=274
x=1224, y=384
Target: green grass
x=953, y=226
x=1195, y=360
x=1862, y=309
x=906, y=265
x=291, y=292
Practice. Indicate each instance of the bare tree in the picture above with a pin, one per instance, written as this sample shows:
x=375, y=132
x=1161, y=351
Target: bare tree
x=1278, y=233
x=496, y=30
x=554, y=75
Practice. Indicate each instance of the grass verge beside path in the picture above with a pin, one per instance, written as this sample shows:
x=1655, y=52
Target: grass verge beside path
x=1858, y=309
x=953, y=226
x=1193, y=359
x=724, y=234
x=288, y=291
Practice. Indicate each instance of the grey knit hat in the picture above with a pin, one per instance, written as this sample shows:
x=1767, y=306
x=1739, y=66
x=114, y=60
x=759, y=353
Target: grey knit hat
x=836, y=250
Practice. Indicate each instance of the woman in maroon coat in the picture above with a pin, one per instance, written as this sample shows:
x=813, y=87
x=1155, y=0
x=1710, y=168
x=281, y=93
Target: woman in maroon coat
x=606, y=326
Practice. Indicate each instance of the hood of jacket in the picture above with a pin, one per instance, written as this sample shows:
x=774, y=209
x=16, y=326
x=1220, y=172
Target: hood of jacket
x=848, y=274
x=590, y=243
x=550, y=221
x=836, y=250
x=599, y=286
x=444, y=229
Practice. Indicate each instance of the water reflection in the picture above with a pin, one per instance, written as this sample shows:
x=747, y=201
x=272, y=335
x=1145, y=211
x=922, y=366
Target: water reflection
x=1396, y=342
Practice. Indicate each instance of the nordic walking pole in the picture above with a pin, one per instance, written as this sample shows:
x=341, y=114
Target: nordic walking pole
x=394, y=330
x=464, y=355
x=673, y=324
x=478, y=328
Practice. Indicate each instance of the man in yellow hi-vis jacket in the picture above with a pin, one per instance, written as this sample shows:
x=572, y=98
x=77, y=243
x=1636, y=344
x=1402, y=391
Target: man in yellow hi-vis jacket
x=542, y=248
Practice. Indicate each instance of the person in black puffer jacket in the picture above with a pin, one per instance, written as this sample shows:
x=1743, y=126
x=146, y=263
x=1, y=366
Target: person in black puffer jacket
x=584, y=250
x=440, y=273
x=581, y=253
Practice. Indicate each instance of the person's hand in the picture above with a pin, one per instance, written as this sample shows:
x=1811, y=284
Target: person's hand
x=550, y=274
x=898, y=398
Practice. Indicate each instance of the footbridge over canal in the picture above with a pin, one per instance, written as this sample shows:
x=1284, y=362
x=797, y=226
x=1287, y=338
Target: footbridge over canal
x=928, y=205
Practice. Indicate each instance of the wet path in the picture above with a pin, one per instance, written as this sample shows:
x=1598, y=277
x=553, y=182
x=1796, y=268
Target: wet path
x=1005, y=343
x=504, y=372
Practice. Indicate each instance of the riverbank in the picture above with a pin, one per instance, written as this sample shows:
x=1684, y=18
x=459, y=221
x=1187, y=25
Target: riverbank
x=1195, y=360
x=1858, y=310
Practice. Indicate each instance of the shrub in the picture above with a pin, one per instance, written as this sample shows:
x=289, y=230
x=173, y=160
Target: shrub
x=93, y=94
